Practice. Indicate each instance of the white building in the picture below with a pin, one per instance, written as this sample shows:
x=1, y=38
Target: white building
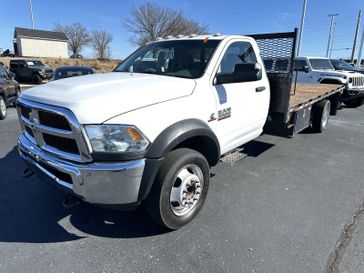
x=40, y=43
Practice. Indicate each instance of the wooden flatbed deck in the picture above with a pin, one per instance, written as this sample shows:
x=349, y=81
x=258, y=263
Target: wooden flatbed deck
x=307, y=94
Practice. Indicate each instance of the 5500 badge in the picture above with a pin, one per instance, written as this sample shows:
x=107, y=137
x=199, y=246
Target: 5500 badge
x=224, y=113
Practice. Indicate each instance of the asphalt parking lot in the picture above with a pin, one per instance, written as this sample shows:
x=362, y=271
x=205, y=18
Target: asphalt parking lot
x=293, y=205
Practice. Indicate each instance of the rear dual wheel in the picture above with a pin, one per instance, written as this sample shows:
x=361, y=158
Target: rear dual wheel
x=321, y=113
x=180, y=188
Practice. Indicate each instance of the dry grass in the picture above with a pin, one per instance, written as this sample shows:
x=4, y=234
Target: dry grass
x=98, y=66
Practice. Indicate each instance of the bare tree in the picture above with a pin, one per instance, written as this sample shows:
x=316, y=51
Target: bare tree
x=150, y=21
x=100, y=41
x=77, y=35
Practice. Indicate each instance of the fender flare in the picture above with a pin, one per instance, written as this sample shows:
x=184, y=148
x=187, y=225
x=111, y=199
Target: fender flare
x=181, y=131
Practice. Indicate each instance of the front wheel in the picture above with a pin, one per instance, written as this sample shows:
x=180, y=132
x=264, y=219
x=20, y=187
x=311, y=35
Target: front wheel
x=180, y=188
x=3, y=110
x=36, y=79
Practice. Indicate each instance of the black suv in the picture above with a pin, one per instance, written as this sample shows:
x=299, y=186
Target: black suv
x=30, y=71
x=9, y=91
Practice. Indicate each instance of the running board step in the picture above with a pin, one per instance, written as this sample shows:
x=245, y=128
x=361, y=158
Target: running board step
x=234, y=156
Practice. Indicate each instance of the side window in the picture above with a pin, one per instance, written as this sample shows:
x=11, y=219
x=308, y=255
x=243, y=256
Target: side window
x=299, y=65
x=14, y=65
x=236, y=54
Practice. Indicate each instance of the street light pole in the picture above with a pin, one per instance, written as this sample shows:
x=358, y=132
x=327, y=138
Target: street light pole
x=332, y=40
x=356, y=37
x=302, y=26
x=31, y=13
x=360, y=51
x=330, y=34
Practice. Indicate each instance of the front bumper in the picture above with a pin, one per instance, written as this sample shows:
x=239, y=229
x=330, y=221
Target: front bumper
x=353, y=93
x=108, y=184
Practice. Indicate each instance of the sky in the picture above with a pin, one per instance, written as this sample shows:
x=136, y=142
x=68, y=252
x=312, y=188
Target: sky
x=224, y=16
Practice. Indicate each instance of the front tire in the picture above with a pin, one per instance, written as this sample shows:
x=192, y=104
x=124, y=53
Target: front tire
x=3, y=110
x=321, y=113
x=36, y=79
x=180, y=188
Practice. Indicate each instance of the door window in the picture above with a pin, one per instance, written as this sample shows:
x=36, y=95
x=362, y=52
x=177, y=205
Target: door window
x=237, y=53
x=299, y=65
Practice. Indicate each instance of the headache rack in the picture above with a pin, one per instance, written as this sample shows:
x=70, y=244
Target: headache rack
x=278, y=52
x=288, y=98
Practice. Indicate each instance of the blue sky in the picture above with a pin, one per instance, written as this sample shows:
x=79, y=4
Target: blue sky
x=225, y=16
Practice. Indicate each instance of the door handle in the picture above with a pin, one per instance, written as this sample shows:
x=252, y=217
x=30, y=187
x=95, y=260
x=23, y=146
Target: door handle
x=260, y=89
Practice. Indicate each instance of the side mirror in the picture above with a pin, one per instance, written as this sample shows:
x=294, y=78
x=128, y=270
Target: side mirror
x=242, y=73
x=306, y=69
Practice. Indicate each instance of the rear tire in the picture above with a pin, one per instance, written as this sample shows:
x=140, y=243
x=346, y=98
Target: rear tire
x=36, y=79
x=321, y=112
x=180, y=188
x=354, y=103
x=3, y=110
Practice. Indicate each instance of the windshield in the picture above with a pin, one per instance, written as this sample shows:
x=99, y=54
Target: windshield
x=33, y=63
x=321, y=64
x=184, y=58
x=338, y=64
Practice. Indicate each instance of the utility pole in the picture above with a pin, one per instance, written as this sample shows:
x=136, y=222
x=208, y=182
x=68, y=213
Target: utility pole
x=356, y=37
x=332, y=40
x=302, y=26
x=31, y=13
x=360, y=50
x=330, y=34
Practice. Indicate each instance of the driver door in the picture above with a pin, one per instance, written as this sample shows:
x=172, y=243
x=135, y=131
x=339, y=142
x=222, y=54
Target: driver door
x=242, y=106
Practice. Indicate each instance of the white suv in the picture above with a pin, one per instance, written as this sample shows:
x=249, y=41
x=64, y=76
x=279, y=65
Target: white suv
x=321, y=70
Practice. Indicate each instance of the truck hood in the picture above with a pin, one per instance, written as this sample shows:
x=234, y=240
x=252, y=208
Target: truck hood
x=99, y=97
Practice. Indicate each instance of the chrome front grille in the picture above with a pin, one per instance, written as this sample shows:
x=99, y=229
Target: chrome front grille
x=357, y=82
x=53, y=129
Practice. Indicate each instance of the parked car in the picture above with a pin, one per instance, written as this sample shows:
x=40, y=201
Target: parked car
x=30, y=71
x=150, y=131
x=7, y=53
x=342, y=65
x=321, y=70
x=76, y=56
x=71, y=71
x=9, y=91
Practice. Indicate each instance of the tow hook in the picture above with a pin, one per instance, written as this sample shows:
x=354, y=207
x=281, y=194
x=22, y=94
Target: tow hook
x=70, y=202
x=27, y=173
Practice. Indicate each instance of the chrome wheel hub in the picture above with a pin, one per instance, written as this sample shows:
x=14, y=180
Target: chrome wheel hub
x=2, y=107
x=186, y=190
x=325, y=115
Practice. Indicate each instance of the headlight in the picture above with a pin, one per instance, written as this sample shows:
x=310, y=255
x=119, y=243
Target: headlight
x=116, y=138
x=350, y=80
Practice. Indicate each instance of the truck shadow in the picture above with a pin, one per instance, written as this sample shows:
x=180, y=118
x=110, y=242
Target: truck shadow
x=255, y=148
x=32, y=212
